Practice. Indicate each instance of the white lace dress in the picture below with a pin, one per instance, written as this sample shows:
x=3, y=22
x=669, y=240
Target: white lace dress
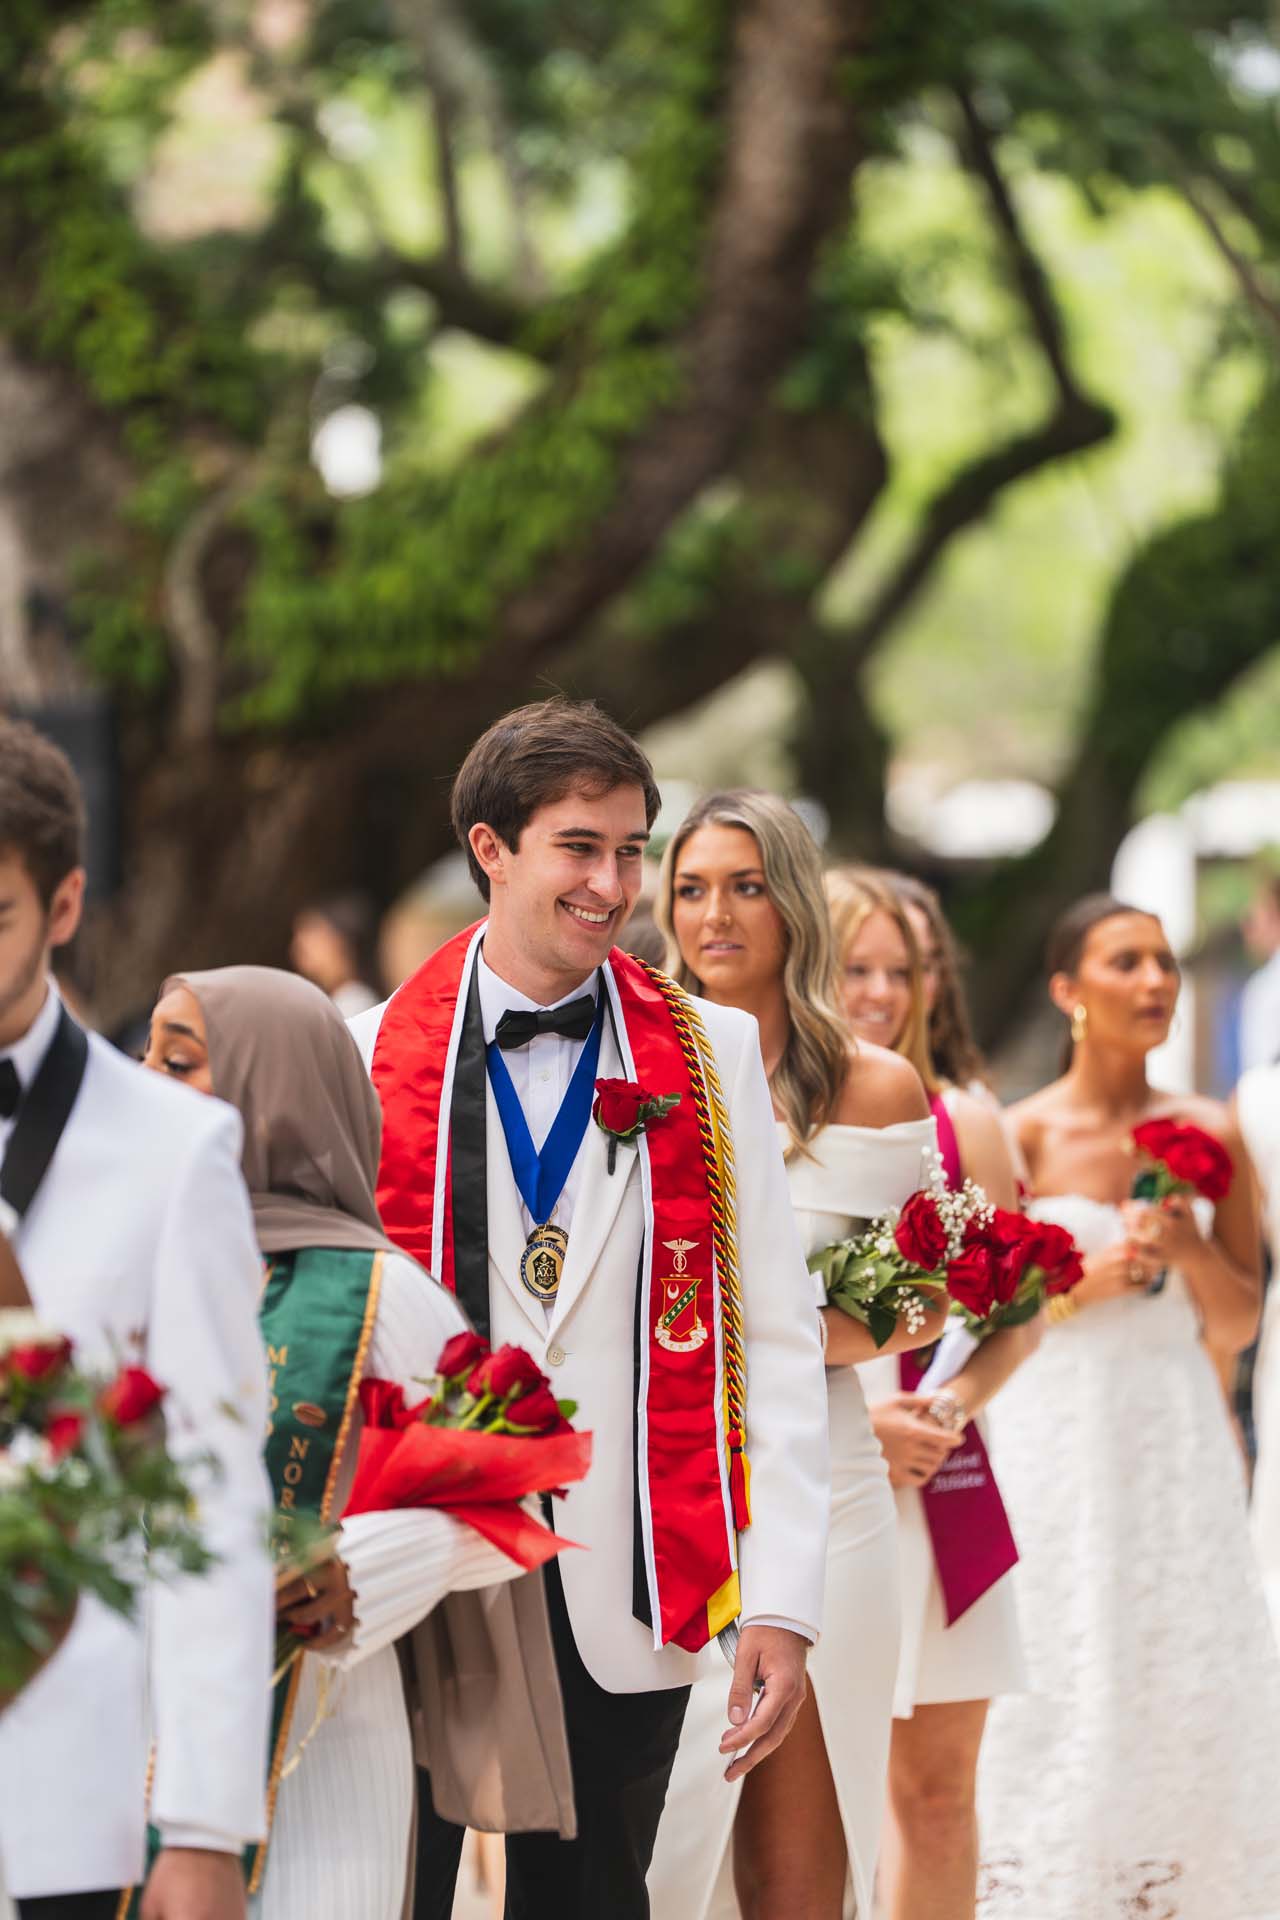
x=850, y=1174
x=1140, y=1777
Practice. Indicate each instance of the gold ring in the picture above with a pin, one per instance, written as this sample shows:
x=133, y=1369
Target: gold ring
x=313, y=1593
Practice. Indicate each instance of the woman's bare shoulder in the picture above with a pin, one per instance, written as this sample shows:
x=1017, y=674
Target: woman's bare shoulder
x=880, y=1089
x=1033, y=1117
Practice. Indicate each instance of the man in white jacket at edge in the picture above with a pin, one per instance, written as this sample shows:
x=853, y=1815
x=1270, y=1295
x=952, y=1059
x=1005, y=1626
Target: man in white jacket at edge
x=137, y=1243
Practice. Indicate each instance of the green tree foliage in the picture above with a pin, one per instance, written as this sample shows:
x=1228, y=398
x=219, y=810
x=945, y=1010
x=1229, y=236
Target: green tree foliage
x=668, y=222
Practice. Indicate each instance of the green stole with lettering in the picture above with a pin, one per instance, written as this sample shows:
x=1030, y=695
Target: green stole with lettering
x=317, y=1317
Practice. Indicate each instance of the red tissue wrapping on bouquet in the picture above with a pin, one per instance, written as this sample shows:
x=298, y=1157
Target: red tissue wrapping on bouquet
x=479, y=1478
x=1192, y=1156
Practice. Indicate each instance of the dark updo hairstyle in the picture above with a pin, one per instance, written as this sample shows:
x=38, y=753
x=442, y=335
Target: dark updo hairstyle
x=1066, y=943
x=1065, y=947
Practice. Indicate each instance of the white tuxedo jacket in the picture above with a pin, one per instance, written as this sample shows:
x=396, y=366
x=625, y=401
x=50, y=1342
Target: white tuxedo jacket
x=142, y=1227
x=586, y=1344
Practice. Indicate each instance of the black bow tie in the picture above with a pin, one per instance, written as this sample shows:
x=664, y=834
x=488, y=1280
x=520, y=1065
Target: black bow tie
x=574, y=1020
x=10, y=1090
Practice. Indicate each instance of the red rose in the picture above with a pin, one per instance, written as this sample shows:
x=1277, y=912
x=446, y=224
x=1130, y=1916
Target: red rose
x=920, y=1235
x=536, y=1412
x=39, y=1360
x=971, y=1279
x=1011, y=1238
x=1192, y=1156
x=460, y=1354
x=1069, y=1273
x=509, y=1370
x=618, y=1105
x=63, y=1433
x=383, y=1404
x=1056, y=1254
x=132, y=1395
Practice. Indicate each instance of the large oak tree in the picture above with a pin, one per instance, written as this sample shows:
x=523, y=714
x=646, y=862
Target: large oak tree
x=295, y=677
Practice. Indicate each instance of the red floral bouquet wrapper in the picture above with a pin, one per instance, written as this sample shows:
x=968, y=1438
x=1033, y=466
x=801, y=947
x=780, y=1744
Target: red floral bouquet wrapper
x=488, y=1435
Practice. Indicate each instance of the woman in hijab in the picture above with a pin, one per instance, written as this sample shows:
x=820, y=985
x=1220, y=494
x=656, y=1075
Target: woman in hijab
x=339, y=1304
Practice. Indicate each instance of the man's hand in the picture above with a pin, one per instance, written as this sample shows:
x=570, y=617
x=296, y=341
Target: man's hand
x=772, y=1659
x=190, y=1883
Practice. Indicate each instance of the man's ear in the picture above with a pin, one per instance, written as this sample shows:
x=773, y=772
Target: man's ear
x=491, y=853
x=66, y=907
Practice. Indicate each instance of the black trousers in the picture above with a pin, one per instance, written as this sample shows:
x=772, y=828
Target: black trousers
x=70, y=1906
x=621, y=1749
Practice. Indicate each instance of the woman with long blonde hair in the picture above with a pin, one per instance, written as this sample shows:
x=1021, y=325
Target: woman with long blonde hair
x=947, y=1674
x=742, y=905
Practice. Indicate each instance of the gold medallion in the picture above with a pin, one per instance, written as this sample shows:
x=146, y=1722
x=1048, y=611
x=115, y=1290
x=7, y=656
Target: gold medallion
x=542, y=1261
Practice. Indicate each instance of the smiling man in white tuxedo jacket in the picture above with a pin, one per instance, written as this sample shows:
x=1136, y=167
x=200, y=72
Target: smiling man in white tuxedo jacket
x=597, y=1256
x=124, y=1202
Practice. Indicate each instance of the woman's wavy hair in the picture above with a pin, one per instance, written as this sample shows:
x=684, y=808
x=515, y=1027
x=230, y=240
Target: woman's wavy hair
x=853, y=895
x=956, y=1054
x=807, y=1081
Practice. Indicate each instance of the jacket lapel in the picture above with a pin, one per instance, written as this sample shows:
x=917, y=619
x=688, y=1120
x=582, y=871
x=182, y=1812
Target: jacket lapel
x=598, y=1197
x=506, y=1222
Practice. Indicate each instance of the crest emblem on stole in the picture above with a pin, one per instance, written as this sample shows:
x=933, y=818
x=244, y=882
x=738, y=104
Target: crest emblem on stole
x=679, y=1328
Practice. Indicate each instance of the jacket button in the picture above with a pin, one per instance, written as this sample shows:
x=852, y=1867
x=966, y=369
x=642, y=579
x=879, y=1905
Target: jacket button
x=555, y=1356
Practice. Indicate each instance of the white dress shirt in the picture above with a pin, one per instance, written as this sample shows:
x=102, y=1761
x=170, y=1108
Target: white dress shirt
x=540, y=1073
x=28, y=1053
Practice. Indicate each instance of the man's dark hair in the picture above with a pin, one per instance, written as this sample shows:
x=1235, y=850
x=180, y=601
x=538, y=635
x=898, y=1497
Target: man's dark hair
x=41, y=812
x=537, y=755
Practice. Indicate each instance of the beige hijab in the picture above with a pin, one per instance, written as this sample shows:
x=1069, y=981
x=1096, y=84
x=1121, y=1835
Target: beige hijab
x=279, y=1051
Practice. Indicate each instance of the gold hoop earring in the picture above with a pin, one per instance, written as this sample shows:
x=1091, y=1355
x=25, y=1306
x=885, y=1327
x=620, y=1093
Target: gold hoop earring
x=1079, y=1022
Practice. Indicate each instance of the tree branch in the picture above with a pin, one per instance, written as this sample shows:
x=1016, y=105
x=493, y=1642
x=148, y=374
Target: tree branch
x=194, y=637
x=443, y=124
x=1264, y=304
x=792, y=143
x=1076, y=423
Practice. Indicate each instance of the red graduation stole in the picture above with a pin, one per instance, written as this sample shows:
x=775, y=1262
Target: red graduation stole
x=692, y=1476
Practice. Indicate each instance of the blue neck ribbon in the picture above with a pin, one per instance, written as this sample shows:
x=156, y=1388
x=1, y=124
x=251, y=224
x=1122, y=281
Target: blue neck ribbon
x=541, y=1176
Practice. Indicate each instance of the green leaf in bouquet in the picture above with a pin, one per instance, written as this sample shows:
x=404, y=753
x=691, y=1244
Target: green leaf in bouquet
x=882, y=1322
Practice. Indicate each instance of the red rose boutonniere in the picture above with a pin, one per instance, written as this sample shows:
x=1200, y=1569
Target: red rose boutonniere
x=624, y=1108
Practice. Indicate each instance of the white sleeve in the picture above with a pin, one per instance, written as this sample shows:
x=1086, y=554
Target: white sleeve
x=783, y=1553
x=401, y=1564
x=211, y=1637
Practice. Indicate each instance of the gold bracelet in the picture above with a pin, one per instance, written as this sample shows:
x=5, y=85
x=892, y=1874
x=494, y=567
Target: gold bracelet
x=1060, y=1308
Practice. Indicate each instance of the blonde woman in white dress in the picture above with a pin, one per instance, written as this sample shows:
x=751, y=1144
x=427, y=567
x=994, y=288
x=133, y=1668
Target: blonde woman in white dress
x=742, y=904
x=947, y=1675
x=1138, y=1775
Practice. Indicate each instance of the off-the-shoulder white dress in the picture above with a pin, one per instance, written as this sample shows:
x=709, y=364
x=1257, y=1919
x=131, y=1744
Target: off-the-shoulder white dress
x=340, y=1843
x=847, y=1175
x=1139, y=1777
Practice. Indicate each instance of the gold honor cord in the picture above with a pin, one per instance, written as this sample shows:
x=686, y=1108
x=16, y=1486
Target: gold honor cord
x=717, y=1153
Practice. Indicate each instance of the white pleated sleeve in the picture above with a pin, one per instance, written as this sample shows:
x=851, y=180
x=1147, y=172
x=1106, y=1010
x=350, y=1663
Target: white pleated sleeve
x=401, y=1564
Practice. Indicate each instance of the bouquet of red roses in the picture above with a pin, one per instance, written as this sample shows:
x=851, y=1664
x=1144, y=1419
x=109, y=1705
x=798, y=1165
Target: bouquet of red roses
x=90, y=1499
x=488, y=1432
x=1008, y=1267
x=902, y=1262
x=1180, y=1158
